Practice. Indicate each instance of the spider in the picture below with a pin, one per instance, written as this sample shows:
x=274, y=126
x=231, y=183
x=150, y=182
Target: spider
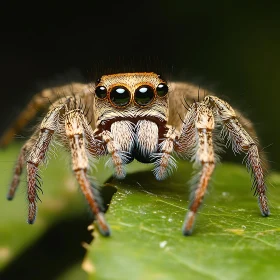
x=136, y=116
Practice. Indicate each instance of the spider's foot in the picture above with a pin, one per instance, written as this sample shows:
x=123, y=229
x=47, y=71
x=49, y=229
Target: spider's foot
x=102, y=225
x=32, y=213
x=265, y=212
x=263, y=205
x=188, y=224
x=186, y=232
x=30, y=222
x=13, y=188
x=31, y=219
x=10, y=196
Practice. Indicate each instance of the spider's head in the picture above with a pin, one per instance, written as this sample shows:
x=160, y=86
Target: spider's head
x=130, y=96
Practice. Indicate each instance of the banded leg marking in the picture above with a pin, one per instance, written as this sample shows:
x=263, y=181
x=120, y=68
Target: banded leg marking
x=20, y=163
x=116, y=155
x=199, y=138
x=165, y=163
x=75, y=133
x=242, y=142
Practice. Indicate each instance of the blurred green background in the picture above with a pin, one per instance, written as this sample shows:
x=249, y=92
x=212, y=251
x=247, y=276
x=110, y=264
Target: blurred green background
x=225, y=46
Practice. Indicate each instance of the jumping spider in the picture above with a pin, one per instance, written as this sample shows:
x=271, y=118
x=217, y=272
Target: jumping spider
x=136, y=116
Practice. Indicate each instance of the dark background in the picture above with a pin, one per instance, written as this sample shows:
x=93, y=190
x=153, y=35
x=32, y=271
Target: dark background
x=230, y=48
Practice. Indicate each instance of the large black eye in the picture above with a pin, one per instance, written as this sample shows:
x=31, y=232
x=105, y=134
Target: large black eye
x=120, y=96
x=101, y=91
x=144, y=95
x=162, y=89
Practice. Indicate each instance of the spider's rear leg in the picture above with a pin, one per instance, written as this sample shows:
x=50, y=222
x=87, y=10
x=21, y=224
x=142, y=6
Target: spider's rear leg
x=196, y=142
x=75, y=131
x=38, y=102
x=241, y=142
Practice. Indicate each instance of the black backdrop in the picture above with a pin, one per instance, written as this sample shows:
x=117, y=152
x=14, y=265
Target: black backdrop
x=231, y=48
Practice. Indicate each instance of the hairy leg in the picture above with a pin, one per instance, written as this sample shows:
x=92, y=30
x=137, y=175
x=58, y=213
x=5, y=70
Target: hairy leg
x=185, y=93
x=29, y=146
x=34, y=152
x=165, y=163
x=74, y=127
x=40, y=101
x=241, y=142
x=249, y=127
x=36, y=156
x=20, y=164
x=196, y=142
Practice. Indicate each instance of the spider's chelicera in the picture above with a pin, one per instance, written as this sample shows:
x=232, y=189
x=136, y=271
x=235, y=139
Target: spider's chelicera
x=137, y=116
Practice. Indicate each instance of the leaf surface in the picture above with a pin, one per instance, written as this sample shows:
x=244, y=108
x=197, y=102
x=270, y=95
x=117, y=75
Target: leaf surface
x=231, y=239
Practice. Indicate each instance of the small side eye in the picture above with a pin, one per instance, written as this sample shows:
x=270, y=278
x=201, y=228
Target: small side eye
x=162, y=89
x=101, y=91
x=97, y=81
x=144, y=95
x=160, y=76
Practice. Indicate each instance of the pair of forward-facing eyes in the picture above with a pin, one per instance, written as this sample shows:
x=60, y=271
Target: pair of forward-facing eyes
x=120, y=96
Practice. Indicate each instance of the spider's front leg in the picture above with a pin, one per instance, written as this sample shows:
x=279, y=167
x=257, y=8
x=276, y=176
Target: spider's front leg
x=241, y=142
x=76, y=128
x=196, y=142
x=34, y=152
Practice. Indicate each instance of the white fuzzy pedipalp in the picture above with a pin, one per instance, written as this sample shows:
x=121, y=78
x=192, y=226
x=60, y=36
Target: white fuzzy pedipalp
x=146, y=137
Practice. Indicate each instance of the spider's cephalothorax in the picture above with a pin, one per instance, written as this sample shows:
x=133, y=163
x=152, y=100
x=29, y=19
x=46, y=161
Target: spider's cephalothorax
x=137, y=116
x=134, y=108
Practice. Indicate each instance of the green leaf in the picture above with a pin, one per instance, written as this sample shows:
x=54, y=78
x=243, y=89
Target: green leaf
x=231, y=239
x=61, y=200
